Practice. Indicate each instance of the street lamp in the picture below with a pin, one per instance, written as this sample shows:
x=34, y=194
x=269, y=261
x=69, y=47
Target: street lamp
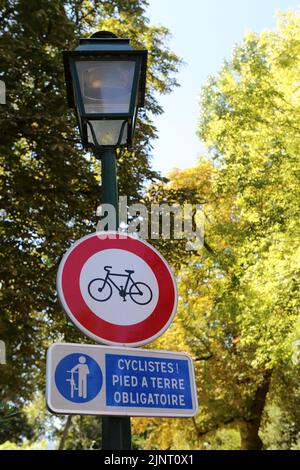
x=105, y=80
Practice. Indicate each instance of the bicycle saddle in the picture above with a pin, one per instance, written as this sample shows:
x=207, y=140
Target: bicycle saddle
x=129, y=271
x=106, y=268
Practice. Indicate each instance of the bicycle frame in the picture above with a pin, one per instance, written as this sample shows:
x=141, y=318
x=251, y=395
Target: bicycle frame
x=72, y=383
x=136, y=288
x=108, y=278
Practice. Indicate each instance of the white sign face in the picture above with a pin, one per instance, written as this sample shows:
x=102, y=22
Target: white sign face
x=117, y=289
x=108, y=303
x=101, y=380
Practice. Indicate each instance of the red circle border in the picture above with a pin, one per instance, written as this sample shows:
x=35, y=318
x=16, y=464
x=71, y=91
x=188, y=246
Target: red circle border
x=69, y=290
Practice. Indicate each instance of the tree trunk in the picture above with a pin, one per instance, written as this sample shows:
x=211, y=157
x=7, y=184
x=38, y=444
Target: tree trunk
x=65, y=433
x=250, y=439
x=249, y=428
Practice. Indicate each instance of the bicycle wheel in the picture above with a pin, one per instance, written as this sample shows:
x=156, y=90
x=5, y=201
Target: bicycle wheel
x=140, y=293
x=100, y=290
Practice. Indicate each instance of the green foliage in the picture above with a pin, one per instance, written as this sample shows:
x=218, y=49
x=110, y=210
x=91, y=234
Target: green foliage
x=26, y=445
x=14, y=423
x=223, y=439
x=239, y=297
x=251, y=123
x=84, y=433
x=50, y=186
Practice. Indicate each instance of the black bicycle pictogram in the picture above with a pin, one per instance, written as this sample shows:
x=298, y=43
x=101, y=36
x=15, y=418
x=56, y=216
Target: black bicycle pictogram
x=101, y=289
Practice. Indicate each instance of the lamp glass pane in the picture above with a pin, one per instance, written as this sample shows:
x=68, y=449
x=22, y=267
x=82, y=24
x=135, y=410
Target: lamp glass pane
x=106, y=86
x=107, y=132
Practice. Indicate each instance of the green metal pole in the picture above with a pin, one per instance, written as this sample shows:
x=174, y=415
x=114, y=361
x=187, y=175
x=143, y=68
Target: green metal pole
x=116, y=430
x=109, y=179
x=116, y=433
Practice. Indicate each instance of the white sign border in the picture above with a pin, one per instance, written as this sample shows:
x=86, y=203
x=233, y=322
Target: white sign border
x=85, y=330
x=127, y=412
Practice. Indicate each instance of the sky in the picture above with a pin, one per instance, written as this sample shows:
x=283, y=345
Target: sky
x=204, y=33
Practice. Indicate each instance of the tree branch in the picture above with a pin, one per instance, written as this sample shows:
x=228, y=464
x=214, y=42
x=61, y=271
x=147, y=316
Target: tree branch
x=216, y=426
x=65, y=433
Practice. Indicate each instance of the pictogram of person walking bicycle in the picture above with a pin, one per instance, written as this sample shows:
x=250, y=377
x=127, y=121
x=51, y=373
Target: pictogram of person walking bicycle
x=101, y=289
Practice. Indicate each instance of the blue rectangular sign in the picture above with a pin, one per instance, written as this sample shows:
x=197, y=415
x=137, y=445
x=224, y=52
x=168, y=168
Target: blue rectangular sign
x=147, y=382
x=89, y=379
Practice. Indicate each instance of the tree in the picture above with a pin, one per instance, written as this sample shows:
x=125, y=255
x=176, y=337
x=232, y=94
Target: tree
x=239, y=307
x=50, y=186
x=251, y=124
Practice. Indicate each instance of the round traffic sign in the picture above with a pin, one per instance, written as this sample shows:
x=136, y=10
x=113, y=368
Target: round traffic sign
x=117, y=289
